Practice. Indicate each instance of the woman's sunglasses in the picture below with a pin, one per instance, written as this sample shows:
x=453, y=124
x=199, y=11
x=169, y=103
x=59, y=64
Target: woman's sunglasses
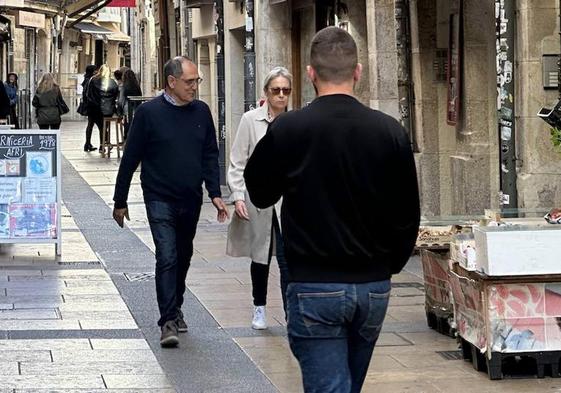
x=276, y=90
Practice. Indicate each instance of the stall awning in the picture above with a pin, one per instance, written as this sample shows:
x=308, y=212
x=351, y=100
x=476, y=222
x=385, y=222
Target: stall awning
x=198, y=3
x=116, y=33
x=74, y=8
x=89, y=28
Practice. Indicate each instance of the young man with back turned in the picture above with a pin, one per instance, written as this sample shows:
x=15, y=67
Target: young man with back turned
x=350, y=215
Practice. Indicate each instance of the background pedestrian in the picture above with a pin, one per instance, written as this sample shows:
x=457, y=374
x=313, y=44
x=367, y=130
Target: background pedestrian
x=102, y=96
x=350, y=215
x=12, y=91
x=90, y=72
x=130, y=88
x=48, y=103
x=4, y=104
x=252, y=232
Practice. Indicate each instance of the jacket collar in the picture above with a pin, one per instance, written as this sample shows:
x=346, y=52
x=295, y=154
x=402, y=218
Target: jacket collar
x=262, y=113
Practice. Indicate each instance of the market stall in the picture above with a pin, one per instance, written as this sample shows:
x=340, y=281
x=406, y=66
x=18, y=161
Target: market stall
x=507, y=297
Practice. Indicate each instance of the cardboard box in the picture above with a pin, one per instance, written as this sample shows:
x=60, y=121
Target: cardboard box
x=511, y=315
x=518, y=250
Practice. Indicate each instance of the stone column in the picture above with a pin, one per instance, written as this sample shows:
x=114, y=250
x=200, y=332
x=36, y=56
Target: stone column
x=272, y=38
x=382, y=56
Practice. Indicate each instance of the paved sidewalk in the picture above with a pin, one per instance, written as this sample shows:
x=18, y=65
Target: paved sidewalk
x=86, y=322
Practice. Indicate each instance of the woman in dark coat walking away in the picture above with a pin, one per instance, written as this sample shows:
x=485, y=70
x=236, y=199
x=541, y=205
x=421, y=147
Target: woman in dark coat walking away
x=47, y=102
x=102, y=96
x=90, y=72
x=12, y=91
x=130, y=88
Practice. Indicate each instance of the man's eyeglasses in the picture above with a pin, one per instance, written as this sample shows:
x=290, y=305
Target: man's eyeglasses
x=191, y=82
x=277, y=90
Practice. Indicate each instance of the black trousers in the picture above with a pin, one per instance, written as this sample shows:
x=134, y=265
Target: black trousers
x=260, y=271
x=14, y=117
x=94, y=117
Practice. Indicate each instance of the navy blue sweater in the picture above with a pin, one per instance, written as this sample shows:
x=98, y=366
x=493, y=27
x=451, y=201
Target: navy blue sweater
x=177, y=148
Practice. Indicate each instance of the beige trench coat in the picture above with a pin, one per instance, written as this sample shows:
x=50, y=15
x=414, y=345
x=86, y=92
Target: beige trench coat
x=248, y=238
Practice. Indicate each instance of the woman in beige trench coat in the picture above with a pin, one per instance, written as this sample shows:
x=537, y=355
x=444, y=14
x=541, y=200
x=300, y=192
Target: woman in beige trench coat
x=253, y=231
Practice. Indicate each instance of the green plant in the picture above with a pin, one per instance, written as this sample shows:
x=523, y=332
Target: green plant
x=556, y=138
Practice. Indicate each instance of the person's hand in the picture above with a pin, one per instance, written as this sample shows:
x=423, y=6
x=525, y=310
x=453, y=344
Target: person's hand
x=119, y=216
x=241, y=210
x=220, y=206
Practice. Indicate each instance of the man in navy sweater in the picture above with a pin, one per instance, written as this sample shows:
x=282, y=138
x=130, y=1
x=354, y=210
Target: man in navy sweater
x=174, y=138
x=350, y=216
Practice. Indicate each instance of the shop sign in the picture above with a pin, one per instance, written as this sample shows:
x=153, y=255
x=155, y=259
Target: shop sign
x=31, y=19
x=122, y=3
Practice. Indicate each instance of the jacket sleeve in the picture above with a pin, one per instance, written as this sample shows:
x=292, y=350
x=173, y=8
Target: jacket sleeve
x=403, y=204
x=238, y=160
x=263, y=177
x=211, y=170
x=134, y=152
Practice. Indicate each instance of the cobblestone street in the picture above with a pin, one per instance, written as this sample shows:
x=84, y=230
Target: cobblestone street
x=86, y=322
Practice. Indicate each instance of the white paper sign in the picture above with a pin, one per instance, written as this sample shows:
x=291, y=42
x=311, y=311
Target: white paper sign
x=10, y=190
x=39, y=190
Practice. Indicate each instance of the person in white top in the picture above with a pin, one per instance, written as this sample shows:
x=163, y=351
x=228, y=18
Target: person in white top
x=255, y=233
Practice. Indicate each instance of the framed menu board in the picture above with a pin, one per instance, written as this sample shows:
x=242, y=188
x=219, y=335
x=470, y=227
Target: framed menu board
x=30, y=187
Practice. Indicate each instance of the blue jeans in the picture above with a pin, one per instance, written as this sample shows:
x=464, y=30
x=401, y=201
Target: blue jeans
x=173, y=228
x=332, y=331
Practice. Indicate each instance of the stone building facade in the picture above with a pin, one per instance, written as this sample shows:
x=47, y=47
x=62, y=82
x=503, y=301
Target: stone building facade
x=432, y=64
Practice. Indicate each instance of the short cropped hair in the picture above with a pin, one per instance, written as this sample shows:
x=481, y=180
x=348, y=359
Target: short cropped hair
x=174, y=67
x=333, y=55
x=275, y=73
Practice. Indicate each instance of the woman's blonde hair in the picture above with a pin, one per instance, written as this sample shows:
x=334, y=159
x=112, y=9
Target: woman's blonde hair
x=275, y=73
x=46, y=83
x=104, y=72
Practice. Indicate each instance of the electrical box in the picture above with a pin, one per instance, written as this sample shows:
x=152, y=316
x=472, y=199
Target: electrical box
x=550, y=71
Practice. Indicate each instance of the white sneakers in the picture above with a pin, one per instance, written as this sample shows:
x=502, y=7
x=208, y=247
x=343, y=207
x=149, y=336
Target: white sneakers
x=259, y=320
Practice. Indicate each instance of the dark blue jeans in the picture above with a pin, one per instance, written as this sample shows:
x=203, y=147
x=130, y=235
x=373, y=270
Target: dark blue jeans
x=332, y=331
x=173, y=229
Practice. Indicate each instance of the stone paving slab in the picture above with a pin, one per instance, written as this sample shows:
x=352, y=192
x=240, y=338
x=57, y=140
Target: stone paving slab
x=146, y=381
x=103, y=355
x=44, y=344
x=111, y=324
x=92, y=368
x=52, y=381
x=118, y=344
x=32, y=324
x=33, y=313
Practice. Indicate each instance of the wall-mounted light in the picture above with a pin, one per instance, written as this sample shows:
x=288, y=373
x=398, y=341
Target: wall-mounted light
x=551, y=116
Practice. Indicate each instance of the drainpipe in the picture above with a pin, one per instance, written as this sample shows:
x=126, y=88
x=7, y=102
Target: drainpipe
x=405, y=85
x=249, y=58
x=220, y=80
x=505, y=30
x=188, y=46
